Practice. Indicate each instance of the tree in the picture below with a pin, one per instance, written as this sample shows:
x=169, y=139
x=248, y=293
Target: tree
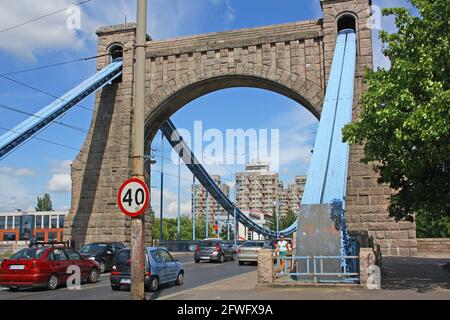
x=429, y=226
x=287, y=220
x=405, y=120
x=44, y=203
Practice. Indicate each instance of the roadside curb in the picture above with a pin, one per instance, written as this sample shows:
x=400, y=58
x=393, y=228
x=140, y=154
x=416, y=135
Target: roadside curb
x=206, y=286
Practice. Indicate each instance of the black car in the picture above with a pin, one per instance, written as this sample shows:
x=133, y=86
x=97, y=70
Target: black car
x=102, y=252
x=214, y=250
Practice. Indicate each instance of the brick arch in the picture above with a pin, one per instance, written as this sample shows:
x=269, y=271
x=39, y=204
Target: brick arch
x=172, y=96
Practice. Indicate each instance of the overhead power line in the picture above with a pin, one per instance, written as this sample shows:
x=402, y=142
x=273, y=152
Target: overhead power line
x=43, y=16
x=56, y=64
x=41, y=91
x=36, y=116
x=43, y=140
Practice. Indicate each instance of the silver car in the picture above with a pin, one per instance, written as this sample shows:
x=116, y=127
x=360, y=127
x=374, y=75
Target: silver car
x=248, y=251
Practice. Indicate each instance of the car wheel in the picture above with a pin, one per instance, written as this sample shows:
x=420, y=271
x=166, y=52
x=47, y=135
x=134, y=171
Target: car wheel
x=102, y=266
x=115, y=287
x=197, y=261
x=13, y=289
x=241, y=263
x=93, y=276
x=154, y=284
x=221, y=259
x=180, y=279
x=52, y=282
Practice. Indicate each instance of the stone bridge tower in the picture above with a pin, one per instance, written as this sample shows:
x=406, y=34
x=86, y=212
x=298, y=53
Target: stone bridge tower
x=292, y=59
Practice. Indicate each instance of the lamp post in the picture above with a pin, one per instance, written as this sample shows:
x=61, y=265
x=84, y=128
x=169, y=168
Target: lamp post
x=276, y=203
x=194, y=192
x=137, y=169
x=179, y=209
x=207, y=216
x=161, y=193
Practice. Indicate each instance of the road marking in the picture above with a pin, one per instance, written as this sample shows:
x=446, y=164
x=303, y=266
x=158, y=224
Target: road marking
x=203, y=286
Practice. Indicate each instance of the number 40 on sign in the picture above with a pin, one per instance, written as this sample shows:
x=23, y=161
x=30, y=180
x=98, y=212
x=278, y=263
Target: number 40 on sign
x=133, y=197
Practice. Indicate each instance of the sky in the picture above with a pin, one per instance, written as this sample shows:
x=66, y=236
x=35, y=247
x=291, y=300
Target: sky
x=38, y=167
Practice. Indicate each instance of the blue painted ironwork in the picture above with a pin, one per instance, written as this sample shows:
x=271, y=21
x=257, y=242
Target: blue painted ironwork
x=327, y=175
x=317, y=274
x=32, y=125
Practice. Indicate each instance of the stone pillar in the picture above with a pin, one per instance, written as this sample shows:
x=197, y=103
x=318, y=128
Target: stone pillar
x=104, y=159
x=367, y=267
x=366, y=200
x=265, y=267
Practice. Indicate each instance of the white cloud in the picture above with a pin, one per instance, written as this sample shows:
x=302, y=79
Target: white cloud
x=14, y=194
x=60, y=181
x=51, y=34
x=17, y=172
x=48, y=34
x=171, y=202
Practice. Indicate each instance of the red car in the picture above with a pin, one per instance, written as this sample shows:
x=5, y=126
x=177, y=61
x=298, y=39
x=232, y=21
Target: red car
x=45, y=266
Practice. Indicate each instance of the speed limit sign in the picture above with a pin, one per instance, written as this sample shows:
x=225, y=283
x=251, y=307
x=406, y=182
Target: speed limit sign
x=133, y=197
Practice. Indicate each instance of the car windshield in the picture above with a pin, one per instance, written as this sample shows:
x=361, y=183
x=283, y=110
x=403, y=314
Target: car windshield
x=94, y=248
x=123, y=256
x=253, y=244
x=207, y=243
x=29, y=253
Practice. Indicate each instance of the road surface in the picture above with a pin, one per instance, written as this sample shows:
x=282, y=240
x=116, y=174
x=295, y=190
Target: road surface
x=196, y=274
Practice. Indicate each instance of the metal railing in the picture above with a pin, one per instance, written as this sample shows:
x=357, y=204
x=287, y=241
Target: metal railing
x=315, y=270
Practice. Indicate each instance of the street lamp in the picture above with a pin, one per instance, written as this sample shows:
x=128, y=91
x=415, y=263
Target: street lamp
x=276, y=203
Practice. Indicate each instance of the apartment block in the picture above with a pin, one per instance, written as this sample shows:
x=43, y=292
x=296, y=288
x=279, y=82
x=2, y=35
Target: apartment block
x=199, y=196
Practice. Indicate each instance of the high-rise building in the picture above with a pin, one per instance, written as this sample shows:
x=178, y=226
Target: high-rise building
x=257, y=188
x=198, y=199
x=291, y=196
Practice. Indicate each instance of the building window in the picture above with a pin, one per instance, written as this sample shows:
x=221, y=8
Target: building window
x=9, y=236
x=40, y=236
x=17, y=221
x=38, y=222
x=54, y=222
x=9, y=224
x=61, y=221
x=46, y=222
x=2, y=223
x=52, y=236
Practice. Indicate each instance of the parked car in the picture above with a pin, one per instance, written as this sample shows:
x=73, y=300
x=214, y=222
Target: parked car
x=248, y=251
x=214, y=250
x=160, y=268
x=102, y=252
x=45, y=266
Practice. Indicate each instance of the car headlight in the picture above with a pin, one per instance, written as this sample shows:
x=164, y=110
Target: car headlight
x=91, y=258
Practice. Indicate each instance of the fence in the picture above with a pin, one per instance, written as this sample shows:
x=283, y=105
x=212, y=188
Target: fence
x=323, y=268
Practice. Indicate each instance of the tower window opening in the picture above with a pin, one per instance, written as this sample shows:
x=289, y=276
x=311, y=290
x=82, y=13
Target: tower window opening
x=346, y=22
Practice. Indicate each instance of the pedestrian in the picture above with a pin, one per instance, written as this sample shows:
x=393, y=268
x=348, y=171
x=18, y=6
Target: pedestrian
x=33, y=242
x=282, y=250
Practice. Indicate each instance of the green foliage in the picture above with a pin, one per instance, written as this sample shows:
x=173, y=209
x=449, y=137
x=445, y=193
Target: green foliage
x=44, y=203
x=429, y=226
x=283, y=221
x=405, y=117
x=170, y=228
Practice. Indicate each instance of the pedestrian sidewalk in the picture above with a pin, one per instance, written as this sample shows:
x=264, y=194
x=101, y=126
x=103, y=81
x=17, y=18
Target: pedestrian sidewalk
x=403, y=278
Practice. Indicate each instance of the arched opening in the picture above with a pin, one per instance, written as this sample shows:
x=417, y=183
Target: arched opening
x=185, y=95
x=347, y=21
x=116, y=53
x=224, y=103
